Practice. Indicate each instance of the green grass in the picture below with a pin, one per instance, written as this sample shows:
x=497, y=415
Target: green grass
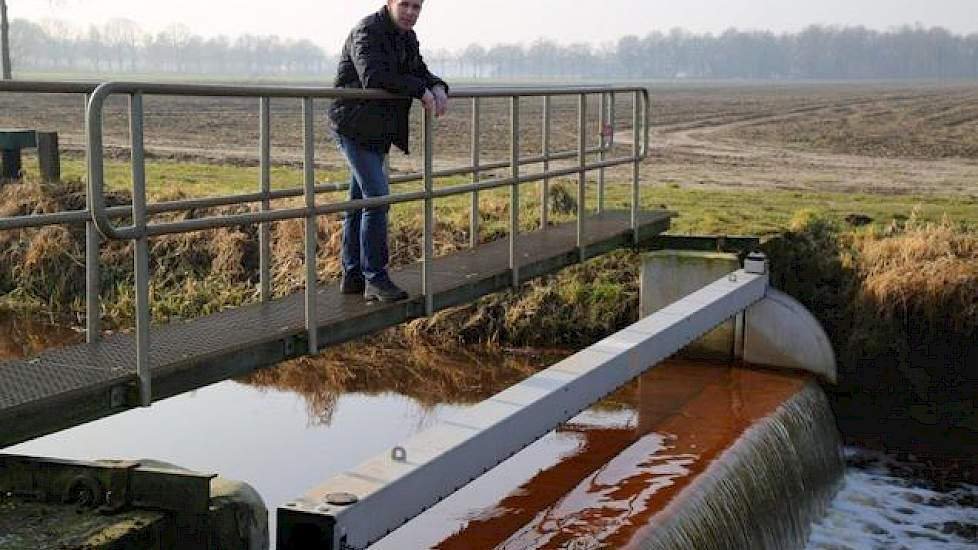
x=166, y=178
x=739, y=212
x=699, y=211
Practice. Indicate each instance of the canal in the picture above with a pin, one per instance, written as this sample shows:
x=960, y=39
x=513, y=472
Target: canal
x=591, y=483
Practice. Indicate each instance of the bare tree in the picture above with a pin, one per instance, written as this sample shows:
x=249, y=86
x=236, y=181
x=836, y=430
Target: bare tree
x=4, y=41
x=475, y=54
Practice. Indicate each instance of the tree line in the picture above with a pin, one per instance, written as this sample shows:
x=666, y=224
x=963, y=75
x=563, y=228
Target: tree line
x=817, y=52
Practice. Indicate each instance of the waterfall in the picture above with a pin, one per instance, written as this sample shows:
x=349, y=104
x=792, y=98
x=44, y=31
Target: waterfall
x=765, y=490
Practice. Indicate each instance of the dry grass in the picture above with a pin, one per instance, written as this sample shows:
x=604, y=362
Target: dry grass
x=579, y=305
x=929, y=269
x=900, y=304
x=192, y=274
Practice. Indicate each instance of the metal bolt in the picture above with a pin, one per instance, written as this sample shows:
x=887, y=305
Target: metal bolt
x=341, y=499
x=399, y=454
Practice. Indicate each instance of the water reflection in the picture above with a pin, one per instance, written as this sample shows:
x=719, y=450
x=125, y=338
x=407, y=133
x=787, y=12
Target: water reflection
x=427, y=376
x=22, y=337
x=288, y=428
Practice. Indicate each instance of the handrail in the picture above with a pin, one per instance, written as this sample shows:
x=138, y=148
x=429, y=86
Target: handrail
x=48, y=86
x=98, y=97
x=82, y=87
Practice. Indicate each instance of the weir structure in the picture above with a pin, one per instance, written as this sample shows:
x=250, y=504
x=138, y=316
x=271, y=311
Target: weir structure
x=359, y=507
x=110, y=374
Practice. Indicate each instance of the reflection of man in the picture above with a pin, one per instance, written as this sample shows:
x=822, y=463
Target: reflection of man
x=381, y=52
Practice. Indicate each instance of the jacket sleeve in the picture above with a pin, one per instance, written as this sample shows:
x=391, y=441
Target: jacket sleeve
x=376, y=68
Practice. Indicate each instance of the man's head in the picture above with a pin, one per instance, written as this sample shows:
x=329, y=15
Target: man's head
x=405, y=12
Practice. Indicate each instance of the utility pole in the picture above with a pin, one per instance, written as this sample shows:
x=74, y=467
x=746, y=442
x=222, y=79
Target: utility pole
x=4, y=41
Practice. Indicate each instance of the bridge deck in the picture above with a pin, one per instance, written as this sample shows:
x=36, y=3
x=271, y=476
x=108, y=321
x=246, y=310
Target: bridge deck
x=73, y=385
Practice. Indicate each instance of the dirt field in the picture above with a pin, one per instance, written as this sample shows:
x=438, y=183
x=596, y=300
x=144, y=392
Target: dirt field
x=869, y=138
x=873, y=137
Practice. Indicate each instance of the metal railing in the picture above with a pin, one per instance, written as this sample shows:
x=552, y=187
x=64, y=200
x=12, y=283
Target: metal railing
x=98, y=217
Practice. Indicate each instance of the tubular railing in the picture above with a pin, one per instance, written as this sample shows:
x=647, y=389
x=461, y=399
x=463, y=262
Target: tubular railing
x=98, y=217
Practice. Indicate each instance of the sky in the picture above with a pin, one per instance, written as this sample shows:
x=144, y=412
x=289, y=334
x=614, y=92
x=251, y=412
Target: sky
x=453, y=24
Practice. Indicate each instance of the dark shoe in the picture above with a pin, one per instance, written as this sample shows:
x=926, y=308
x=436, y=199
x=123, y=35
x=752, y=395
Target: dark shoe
x=384, y=291
x=352, y=283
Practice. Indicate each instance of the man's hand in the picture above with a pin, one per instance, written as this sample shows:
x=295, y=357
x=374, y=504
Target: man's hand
x=428, y=101
x=441, y=100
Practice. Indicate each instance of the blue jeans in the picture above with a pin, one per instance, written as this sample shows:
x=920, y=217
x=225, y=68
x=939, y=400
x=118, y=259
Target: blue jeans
x=365, y=231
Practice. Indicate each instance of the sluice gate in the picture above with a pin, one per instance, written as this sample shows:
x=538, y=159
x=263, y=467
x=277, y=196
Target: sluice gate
x=365, y=504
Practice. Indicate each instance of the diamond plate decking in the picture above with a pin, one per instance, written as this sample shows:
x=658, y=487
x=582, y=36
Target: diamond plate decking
x=73, y=385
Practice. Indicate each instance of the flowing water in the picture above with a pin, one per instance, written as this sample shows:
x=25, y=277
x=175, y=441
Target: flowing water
x=610, y=480
x=596, y=481
x=885, y=504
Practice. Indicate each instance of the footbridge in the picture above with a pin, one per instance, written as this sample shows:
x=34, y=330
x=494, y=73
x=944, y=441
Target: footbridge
x=109, y=374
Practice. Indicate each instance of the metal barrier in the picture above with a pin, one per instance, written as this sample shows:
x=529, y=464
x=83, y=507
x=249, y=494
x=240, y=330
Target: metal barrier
x=98, y=217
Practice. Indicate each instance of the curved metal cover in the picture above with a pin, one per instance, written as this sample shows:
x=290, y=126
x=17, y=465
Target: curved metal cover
x=780, y=332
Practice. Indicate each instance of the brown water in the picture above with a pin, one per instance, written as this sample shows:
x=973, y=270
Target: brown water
x=597, y=480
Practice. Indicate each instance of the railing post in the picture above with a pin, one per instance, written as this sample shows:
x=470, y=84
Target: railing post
x=476, y=158
x=309, y=186
x=602, y=120
x=93, y=272
x=636, y=137
x=545, y=183
x=428, y=254
x=141, y=255
x=581, y=174
x=514, y=193
x=265, y=186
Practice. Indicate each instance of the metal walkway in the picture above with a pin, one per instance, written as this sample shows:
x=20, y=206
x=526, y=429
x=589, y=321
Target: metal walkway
x=73, y=385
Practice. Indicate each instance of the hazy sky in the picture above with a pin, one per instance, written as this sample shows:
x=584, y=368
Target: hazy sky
x=456, y=23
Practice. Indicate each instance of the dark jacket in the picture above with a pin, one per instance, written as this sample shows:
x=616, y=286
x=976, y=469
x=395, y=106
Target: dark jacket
x=378, y=55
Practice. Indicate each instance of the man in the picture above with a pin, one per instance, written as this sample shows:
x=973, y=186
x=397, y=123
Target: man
x=382, y=52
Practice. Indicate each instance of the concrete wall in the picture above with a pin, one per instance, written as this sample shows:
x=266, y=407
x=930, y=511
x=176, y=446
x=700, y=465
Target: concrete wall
x=669, y=275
